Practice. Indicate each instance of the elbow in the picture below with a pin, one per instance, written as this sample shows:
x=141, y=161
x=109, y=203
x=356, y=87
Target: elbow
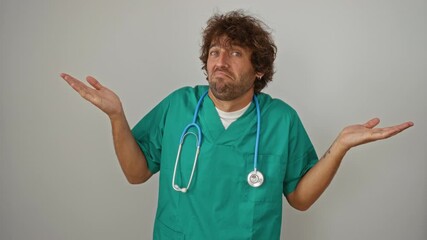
x=134, y=180
x=298, y=202
x=302, y=207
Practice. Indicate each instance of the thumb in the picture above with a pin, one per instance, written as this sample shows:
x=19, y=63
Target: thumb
x=372, y=123
x=93, y=82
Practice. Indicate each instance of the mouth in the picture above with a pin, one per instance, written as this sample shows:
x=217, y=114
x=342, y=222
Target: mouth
x=221, y=74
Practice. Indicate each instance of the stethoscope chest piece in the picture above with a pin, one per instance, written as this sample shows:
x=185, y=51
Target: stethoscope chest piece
x=255, y=178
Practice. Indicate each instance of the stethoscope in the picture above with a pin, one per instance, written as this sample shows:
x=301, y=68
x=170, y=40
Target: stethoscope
x=255, y=177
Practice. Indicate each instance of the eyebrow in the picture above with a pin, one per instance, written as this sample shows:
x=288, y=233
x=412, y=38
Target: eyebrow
x=225, y=41
x=229, y=44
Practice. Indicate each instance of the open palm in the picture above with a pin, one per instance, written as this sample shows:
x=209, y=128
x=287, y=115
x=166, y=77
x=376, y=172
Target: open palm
x=355, y=135
x=100, y=96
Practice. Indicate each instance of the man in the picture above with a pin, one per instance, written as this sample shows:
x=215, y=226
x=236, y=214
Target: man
x=251, y=148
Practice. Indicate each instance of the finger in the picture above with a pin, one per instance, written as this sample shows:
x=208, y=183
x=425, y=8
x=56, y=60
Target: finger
x=81, y=88
x=391, y=131
x=372, y=123
x=68, y=78
x=399, y=128
x=73, y=82
x=93, y=82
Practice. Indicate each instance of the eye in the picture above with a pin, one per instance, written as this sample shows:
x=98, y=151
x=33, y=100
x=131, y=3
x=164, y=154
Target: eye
x=236, y=54
x=213, y=53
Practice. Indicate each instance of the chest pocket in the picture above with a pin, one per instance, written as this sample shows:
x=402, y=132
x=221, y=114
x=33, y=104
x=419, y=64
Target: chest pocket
x=273, y=171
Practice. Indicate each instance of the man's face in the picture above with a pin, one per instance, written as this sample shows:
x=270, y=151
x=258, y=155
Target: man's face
x=229, y=68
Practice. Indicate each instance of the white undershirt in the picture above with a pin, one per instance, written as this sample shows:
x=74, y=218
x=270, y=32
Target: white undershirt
x=228, y=118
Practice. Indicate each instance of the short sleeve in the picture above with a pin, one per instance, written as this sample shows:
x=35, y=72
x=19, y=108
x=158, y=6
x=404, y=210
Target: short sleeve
x=148, y=133
x=302, y=155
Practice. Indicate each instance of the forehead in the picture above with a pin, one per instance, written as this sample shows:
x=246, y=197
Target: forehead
x=226, y=42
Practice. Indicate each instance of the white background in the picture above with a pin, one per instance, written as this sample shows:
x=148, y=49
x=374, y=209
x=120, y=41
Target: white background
x=339, y=63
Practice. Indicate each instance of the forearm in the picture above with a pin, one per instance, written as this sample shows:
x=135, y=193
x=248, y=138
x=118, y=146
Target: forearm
x=318, y=178
x=129, y=154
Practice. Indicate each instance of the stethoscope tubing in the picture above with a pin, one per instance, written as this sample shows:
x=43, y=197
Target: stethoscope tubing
x=181, y=141
x=258, y=127
x=198, y=136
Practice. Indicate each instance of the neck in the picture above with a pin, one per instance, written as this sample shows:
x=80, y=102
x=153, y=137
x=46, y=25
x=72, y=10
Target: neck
x=232, y=105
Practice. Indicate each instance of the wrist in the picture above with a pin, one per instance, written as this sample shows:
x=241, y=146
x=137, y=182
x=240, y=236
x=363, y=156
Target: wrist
x=340, y=146
x=117, y=116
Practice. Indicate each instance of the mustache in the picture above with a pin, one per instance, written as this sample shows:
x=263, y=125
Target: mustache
x=222, y=70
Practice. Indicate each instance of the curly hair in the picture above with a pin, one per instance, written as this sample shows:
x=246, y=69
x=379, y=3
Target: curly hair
x=248, y=32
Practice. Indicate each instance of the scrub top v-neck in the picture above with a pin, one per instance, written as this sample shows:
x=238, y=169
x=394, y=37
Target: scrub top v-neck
x=220, y=204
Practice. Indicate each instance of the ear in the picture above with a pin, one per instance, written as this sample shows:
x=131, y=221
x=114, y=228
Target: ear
x=259, y=75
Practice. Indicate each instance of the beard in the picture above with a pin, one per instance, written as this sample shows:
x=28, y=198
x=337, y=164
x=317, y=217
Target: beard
x=227, y=89
x=221, y=90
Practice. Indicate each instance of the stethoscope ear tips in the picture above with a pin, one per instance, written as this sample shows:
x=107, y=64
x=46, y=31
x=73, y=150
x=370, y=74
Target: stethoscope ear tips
x=184, y=190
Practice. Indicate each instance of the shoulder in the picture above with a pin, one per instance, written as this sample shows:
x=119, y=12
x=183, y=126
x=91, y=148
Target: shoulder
x=282, y=116
x=182, y=98
x=276, y=107
x=184, y=91
x=187, y=93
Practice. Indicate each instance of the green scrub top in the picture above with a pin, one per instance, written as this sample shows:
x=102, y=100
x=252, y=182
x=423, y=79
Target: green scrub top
x=220, y=204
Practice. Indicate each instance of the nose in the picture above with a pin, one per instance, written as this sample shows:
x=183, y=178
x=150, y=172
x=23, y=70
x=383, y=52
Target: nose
x=223, y=59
